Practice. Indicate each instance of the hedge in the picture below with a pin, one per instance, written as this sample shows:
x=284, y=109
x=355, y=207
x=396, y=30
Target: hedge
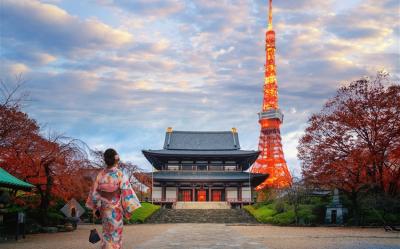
x=141, y=214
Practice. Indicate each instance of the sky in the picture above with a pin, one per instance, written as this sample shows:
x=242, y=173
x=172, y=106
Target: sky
x=117, y=73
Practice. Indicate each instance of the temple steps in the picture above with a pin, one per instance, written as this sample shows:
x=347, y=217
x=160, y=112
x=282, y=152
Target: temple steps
x=202, y=205
x=201, y=216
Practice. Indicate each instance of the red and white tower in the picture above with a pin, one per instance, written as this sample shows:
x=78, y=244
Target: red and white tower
x=271, y=159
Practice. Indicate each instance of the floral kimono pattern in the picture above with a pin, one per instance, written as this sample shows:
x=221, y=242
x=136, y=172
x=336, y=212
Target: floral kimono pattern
x=121, y=203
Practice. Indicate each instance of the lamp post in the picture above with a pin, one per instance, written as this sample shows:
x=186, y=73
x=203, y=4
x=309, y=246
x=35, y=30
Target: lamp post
x=152, y=183
x=249, y=182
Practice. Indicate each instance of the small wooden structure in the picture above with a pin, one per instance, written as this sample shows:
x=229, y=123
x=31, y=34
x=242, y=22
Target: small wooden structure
x=14, y=220
x=335, y=212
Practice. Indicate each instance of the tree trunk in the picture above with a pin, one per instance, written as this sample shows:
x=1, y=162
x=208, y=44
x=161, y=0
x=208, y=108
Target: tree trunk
x=296, y=214
x=45, y=196
x=356, y=208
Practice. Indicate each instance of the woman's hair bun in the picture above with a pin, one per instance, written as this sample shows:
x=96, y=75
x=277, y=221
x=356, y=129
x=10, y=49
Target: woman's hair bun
x=109, y=156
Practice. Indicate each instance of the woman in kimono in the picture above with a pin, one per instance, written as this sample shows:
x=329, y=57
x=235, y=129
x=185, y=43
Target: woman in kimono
x=112, y=198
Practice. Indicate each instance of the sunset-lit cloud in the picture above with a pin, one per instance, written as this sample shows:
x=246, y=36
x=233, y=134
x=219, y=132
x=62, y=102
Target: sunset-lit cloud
x=116, y=73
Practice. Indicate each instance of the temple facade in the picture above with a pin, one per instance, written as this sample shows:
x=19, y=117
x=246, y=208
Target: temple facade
x=196, y=166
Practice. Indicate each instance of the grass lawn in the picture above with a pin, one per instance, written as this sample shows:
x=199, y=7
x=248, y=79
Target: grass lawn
x=141, y=214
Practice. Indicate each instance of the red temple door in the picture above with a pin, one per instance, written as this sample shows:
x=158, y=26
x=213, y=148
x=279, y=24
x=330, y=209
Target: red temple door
x=186, y=195
x=216, y=195
x=201, y=195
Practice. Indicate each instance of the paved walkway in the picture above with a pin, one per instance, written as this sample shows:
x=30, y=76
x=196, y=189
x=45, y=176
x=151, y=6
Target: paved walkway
x=201, y=236
x=220, y=236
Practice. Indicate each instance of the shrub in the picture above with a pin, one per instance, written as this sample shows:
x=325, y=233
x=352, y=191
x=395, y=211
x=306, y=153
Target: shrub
x=55, y=218
x=269, y=220
x=285, y=218
x=251, y=209
x=263, y=203
x=141, y=214
x=265, y=212
x=280, y=207
x=261, y=213
x=306, y=215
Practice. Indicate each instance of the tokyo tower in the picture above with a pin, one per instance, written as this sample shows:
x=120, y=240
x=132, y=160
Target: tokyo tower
x=271, y=159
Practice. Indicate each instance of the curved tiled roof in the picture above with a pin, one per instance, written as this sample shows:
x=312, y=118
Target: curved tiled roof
x=245, y=158
x=9, y=181
x=203, y=146
x=204, y=152
x=201, y=140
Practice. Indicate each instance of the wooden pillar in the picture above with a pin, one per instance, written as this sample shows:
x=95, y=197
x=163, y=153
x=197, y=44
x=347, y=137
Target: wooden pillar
x=209, y=193
x=177, y=193
x=226, y=194
x=193, y=193
x=163, y=193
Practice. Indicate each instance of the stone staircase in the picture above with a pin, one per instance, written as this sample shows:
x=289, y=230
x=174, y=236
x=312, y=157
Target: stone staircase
x=201, y=216
x=202, y=205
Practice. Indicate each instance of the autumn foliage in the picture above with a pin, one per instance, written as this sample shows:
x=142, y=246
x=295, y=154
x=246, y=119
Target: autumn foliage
x=57, y=166
x=353, y=143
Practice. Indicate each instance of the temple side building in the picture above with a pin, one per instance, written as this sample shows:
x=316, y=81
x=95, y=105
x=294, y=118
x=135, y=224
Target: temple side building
x=203, y=166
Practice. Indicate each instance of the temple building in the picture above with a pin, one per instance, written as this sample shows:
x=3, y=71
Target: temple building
x=196, y=166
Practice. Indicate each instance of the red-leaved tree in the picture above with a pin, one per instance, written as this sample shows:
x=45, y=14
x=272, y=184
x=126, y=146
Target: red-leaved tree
x=353, y=143
x=56, y=165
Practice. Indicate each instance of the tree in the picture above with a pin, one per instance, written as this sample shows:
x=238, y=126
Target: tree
x=15, y=126
x=353, y=143
x=55, y=165
x=11, y=96
x=296, y=194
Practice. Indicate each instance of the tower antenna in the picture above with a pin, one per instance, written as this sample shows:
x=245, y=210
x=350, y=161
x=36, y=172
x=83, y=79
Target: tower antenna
x=270, y=16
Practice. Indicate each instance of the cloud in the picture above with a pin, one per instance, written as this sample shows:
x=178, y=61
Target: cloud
x=18, y=52
x=13, y=69
x=223, y=51
x=116, y=75
x=302, y=5
x=356, y=32
x=54, y=30
x=158, y=8
x=290, y=142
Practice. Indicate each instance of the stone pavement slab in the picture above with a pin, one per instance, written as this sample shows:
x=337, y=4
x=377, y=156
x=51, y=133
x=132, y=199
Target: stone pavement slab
x=201, y=236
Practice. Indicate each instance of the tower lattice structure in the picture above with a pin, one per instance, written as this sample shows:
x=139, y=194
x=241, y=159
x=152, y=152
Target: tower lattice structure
x=271, y=159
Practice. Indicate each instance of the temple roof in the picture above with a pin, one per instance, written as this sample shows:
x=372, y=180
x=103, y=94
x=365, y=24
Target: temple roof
x=245, y=158
x=201, y=140
x=201, y=145
x=200, y=153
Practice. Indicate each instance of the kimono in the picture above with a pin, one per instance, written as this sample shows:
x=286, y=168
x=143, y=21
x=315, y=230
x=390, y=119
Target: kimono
x=114, y=197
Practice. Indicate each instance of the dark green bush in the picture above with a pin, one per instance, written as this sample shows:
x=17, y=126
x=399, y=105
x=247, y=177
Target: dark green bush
x=263, y=203
x=306, y=215
x=285, y=218
x=141, y=214
x=55, y=218
x=262, y=212
x=280, y=207
x=377, y=209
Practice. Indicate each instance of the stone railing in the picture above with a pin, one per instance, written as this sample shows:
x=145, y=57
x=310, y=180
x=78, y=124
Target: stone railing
x=170, y=200
x=237, y=200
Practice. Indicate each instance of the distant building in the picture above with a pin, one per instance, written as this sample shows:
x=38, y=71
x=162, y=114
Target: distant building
x=199, y=166
x=335, y=212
